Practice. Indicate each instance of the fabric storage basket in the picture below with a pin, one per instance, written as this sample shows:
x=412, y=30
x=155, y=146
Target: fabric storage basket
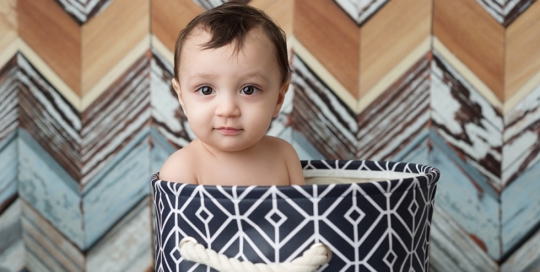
x=373, y=216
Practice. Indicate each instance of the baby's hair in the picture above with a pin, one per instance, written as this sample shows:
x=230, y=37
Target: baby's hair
x=231, y=22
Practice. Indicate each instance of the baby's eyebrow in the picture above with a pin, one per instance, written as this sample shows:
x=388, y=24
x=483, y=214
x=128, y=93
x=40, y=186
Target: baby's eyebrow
x=257, y=75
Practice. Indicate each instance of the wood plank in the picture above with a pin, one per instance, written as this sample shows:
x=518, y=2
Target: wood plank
x=520, y=213
x=522, y=58
x=115, y=119
x=101, y=49
x=8, y=170
x=474, y=37
x=169, y=17
x=9, y=108
x=526, y=258
x=168, y=119
x=361, y=11
x=321, y=117
x=400, y=115
x=46, y=244
x=521, y=148
x=281, y=12
x=83, y=11
x=49, y=189
x=128, y=245
x=11, y=244
x=461, y=194
x=64, y=57
x=405, y=24
x=8, y=25
x=507, y=11
x=452, y=249
x=331, y=37
x=468, y=122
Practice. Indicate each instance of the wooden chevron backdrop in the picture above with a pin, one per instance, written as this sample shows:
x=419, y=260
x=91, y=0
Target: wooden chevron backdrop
x=87, y=113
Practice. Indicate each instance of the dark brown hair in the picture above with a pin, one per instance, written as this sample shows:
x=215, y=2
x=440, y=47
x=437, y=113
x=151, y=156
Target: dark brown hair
x=229, y=23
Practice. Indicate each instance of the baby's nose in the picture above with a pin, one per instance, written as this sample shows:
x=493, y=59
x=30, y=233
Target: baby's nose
x=228, y=107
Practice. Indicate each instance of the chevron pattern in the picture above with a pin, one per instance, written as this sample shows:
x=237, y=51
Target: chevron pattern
x=87, y=114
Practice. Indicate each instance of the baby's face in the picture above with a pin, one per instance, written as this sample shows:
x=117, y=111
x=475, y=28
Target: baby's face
x=230, y=98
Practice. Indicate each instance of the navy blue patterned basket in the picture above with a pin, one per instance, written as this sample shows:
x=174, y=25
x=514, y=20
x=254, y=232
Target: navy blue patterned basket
x=374, y=216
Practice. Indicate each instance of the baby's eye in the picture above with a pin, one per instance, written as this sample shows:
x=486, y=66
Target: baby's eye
x=249, y=90
x=205, y=90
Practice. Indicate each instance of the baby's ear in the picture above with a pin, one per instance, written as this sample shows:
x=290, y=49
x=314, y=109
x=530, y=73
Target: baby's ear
x=281, y=97
x=176, y=87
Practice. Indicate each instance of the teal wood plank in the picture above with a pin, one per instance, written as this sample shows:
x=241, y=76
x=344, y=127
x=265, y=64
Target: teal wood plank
x=161, y=150
x=47, y=187
x=11, y=245
x=47, y=249
x=128, y=245
x=123, y=186
x=474, y=209
x=526, y=258
x=520, y=209
x=8, y=169
x=452, y=249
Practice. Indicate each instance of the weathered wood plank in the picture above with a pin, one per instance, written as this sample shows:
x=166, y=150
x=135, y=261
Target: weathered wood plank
x=321, y=117
x=8, y=170
x=520, y=212
x=451, y=247
x=526, y=258
x=397, y=117
x=521, y=148
x=467, y=122
x=83, y=10
x=9, y=109
x=505, y=12
x=128, y=245
x=472, y=207
x=11, y=245
x=360, y=11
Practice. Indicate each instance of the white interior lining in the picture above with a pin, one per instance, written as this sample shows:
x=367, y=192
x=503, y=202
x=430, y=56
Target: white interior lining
x=340, y=176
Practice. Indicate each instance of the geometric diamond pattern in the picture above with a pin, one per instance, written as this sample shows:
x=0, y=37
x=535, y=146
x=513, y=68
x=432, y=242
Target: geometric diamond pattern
x=374, y=225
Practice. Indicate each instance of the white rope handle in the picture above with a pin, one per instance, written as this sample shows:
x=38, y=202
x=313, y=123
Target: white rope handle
x=317, y=255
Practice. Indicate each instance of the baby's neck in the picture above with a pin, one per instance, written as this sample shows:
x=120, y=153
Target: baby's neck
x=250, y=152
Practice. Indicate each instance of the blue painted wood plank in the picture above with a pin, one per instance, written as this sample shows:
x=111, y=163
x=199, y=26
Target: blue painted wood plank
x=520, y=208
x=11, y=242
x=460, y=196
x=49, y=189
x=125, y=184
x=8, y=168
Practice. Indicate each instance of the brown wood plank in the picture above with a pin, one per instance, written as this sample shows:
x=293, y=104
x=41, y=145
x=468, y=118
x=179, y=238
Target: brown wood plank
x=522, y=59
x=109, y=36
x=169, y=17
x=330, y=36
x=389, y=36
x=54, y=36
x=8, y=24
x=474, y=37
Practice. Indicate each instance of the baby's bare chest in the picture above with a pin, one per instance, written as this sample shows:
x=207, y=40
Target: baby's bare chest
x=262, y=173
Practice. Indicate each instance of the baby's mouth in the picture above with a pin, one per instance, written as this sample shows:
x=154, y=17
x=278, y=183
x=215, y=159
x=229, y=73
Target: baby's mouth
x=229, y=130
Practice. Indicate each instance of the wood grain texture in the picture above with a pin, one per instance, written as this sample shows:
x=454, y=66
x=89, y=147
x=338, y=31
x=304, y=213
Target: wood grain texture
x=331, y=37
x=83, y=10
x=467, y=122
x=128, y=245
x=8, y=23
x=472, y=207
x=9, y=102
x=321, y=117
x=452, y=249
x=521, y=137
x=281, y=12
x=526, y=258
x=522, y=58
x=108, y=37
x=389, y=36
x=505, y=12
x=360, y=11
x=398, y=117
x=474, y=37
x=64, y=57
x=11, y=244
x=168, y=118
x=49, y=118
x=520, y=212
x=8, y=171
x=169, y=17
x=114, y=120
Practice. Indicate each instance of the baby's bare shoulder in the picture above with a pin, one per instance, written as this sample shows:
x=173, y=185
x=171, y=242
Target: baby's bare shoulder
x=179, y=167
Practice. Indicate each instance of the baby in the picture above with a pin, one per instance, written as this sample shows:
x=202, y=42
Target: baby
x=231, y=74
